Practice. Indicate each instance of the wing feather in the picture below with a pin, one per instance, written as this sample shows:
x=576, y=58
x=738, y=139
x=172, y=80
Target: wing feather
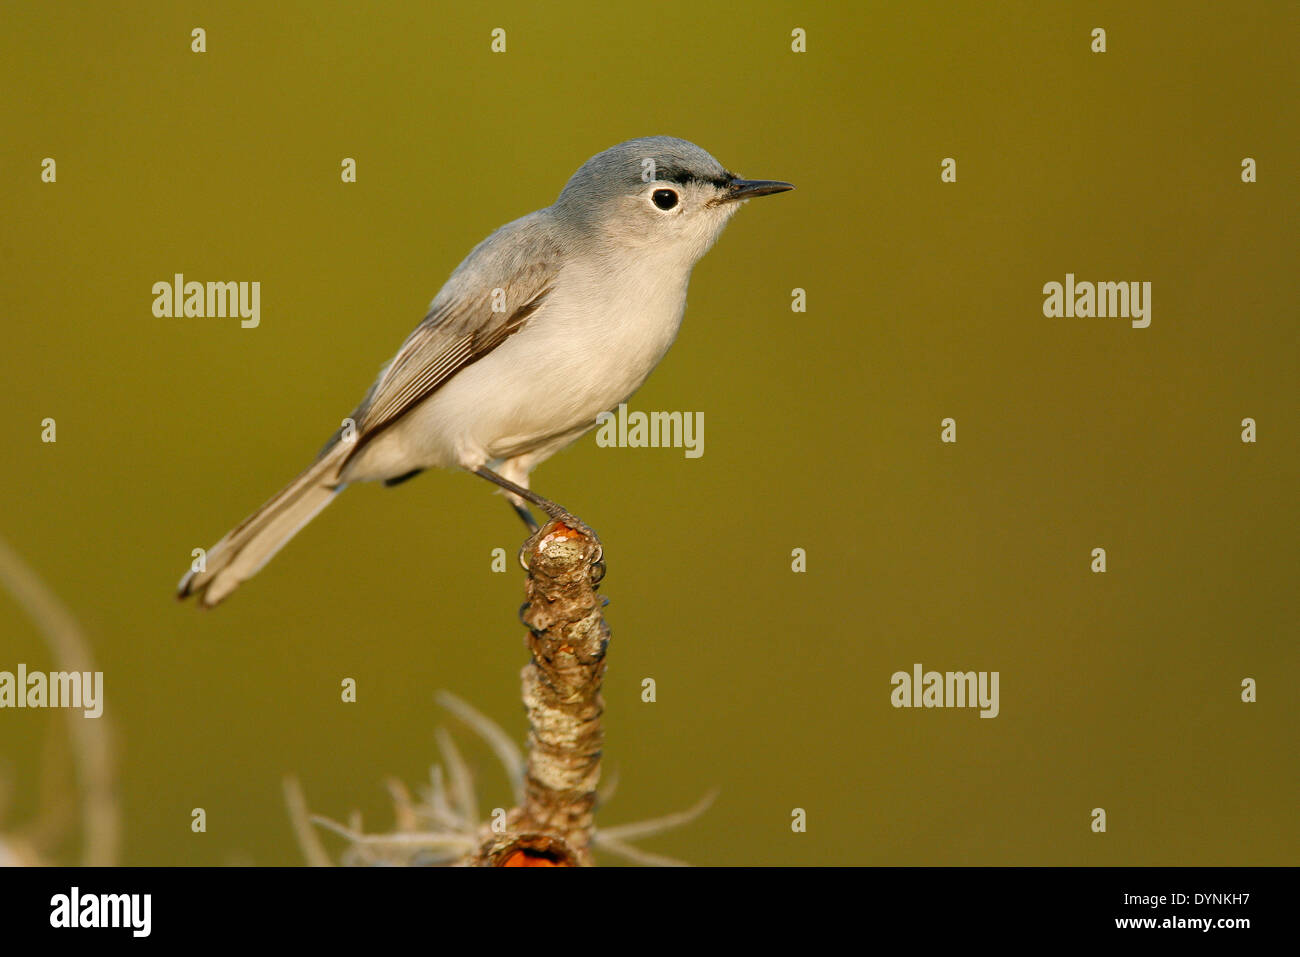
x=462, y=326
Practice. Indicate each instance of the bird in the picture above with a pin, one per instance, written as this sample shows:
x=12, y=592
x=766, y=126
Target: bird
x=551, y=320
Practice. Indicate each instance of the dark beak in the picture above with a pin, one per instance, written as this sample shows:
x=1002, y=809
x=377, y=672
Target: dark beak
x=739, y=189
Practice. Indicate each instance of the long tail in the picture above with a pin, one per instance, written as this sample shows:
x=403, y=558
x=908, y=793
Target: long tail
x=246, y=548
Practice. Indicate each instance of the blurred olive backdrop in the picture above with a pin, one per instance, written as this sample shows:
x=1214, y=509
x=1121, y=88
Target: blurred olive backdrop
x=1119, y=691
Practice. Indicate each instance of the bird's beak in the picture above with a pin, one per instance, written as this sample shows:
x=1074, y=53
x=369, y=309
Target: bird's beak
x=739, y=189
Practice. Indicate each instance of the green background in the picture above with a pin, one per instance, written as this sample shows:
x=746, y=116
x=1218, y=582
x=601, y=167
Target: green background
x=1119, y=691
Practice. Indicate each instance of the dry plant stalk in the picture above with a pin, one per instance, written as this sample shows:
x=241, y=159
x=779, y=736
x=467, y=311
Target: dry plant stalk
x=554, y=786
x=92, y=739
x=555, y=822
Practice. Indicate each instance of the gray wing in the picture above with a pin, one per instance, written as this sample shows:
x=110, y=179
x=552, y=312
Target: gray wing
x=489, y=297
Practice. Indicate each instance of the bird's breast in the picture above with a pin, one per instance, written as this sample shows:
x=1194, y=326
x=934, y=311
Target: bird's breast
x=591, y=345
x=620, y=322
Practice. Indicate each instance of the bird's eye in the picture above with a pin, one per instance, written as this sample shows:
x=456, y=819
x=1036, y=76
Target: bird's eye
x=664, y=198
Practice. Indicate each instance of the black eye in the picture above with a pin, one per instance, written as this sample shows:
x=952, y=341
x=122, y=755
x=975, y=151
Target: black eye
x=664, y=198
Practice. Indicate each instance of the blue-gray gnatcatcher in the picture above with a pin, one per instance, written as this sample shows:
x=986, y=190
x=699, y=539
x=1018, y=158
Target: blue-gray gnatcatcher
x=551, y=320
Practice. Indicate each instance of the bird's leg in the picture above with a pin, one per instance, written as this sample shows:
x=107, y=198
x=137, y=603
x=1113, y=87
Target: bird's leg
x=557, y=512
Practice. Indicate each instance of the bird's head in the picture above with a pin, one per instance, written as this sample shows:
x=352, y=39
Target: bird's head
x=657, y=194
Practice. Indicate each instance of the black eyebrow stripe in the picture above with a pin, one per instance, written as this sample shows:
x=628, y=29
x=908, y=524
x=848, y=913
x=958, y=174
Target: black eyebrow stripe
x=684, y=177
